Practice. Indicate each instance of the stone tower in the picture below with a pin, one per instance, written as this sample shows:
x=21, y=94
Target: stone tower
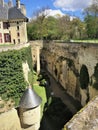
x=2, y=2
x=10, y=3
x=30, y=110
x=18, y=4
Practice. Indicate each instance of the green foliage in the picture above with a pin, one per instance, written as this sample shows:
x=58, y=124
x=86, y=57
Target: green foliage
x=84, y=77
x=92, y=26
x=62, y=28
x=42, y=93
x=91, y=20
x=55, y=28
x=12, y=82
x=26, y=55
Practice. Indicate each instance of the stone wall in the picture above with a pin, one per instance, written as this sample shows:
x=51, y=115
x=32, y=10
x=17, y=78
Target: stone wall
x=86, y=119
x=9, y=120
x=74, y=66
x=14, y=47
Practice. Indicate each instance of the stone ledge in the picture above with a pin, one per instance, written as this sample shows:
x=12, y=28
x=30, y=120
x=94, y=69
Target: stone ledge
x=86, y=118
x=9, y=120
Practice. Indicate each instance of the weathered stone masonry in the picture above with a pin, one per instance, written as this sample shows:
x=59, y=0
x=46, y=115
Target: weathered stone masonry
x=75, y=66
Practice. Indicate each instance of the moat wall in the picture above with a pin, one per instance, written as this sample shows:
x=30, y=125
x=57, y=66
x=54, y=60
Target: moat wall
x=10, y=120
x=74, y=66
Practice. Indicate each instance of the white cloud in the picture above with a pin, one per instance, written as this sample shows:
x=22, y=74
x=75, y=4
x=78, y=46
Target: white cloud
x=72, y=5
x=55, y=13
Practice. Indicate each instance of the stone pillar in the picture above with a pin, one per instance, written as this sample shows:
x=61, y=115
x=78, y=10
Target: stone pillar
x=38, y=60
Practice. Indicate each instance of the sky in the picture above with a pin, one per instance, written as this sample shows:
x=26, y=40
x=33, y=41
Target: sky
x=70, y=7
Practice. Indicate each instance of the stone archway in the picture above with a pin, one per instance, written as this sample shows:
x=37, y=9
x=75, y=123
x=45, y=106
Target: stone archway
x=84, y=77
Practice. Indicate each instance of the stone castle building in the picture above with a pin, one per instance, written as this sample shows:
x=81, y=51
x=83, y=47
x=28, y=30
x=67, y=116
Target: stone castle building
x=12, y=22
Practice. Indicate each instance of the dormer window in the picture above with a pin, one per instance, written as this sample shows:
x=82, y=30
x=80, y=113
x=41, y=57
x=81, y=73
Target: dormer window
x=5, y=25
x=17, y=22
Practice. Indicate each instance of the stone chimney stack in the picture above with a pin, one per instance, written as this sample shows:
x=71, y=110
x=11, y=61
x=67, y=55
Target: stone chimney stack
x=23, y=9
x=18, y=4
x=2, y=2
x=10, y=3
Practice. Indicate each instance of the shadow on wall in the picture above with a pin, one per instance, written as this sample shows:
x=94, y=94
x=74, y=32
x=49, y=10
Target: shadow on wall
x=84, y=83
x=94, y=82
x=84, y=77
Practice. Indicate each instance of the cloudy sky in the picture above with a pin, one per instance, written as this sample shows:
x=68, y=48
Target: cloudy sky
x=72, y=7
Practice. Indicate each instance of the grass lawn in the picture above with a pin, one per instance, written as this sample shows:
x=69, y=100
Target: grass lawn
x=86, y=41
x=32, y=77
x=42, y=93
x=6, y=44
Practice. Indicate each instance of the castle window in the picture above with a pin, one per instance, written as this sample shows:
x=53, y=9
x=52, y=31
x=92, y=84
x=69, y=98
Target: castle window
x=18, y=34
x=17, y=22
x=7, y=37
x=5, y=25
x=18, y=40
x=17, y=27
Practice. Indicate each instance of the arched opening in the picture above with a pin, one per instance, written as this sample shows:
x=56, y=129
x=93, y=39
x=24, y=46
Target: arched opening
x=56, y=71
x=84, y=77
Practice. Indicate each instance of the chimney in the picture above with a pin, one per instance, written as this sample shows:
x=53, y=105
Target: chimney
x=10, y=3
x=18, y=4
x=2, y=2
x=23, y=9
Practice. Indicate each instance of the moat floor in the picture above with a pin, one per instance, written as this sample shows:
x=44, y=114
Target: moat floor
x=61, y=109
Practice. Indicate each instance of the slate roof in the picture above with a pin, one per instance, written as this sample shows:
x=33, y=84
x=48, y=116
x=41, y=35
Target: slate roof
x=30, y=99
x=3, y=12
x=14, y=13
x=10, y=13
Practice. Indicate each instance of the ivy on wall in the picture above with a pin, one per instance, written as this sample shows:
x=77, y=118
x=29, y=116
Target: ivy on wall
x=12, y=82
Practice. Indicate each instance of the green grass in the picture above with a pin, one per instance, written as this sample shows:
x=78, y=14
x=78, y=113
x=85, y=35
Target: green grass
x=42, y=93
x=6, y=44
x=86, y=41
x=40, y=90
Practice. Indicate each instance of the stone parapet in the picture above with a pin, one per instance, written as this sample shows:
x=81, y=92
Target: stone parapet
x=85, y=119
x=9, y=120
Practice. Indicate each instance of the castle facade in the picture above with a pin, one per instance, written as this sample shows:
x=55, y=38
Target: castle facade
x=13, y=22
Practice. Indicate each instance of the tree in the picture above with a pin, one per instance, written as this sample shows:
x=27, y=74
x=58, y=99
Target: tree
x=50, y=30
x=91, y=19
x=92, y=9
x=77, y=30
x=64, y=27
x=92, y=26
x=39, y=17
